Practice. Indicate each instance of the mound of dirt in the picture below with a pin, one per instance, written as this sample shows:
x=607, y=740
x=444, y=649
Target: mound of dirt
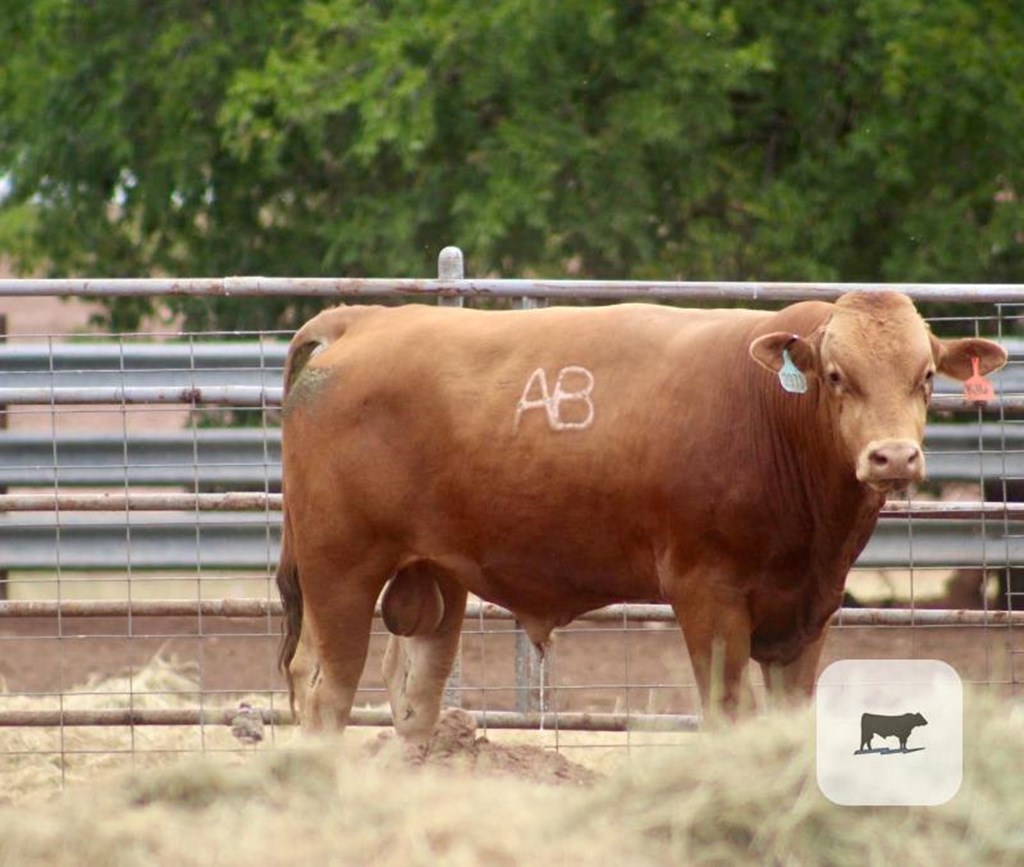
x=455, y=745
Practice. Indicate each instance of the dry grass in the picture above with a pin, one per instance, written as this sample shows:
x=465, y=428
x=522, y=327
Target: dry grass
x=745, y=795
x=38, y=761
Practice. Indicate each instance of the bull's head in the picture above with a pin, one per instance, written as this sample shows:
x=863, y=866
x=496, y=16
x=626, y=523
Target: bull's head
x=874, y=361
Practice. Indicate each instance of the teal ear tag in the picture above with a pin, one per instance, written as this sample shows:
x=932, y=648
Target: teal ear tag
x=790, y=376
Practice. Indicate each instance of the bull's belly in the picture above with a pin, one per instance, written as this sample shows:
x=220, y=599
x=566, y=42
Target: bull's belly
x=544, y=593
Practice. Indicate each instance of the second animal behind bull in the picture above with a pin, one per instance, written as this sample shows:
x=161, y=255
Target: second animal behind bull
x=555, y=461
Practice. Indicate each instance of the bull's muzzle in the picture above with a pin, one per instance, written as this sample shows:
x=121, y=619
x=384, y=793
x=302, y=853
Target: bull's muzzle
x=891, y=465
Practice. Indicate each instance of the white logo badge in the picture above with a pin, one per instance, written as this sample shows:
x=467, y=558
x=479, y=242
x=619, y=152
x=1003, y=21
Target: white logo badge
x=889, y=732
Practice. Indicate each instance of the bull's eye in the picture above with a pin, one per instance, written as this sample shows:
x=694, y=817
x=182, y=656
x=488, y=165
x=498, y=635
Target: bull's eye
x=929, y=381
x=835, y=378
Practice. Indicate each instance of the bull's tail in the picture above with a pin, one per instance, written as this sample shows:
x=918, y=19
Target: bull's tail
x=313, y=337
x=317, y=334
x=291, y=602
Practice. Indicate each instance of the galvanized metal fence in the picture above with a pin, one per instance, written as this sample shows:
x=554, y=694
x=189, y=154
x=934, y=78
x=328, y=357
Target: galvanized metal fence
x=132, y=525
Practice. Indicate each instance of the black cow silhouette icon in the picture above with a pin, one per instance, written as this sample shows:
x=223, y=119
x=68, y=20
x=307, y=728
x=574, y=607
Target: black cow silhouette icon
x=888, y=726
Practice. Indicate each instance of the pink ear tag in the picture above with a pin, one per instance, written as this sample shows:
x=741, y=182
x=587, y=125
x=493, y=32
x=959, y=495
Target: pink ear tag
x=790, y=377
x=977, y=389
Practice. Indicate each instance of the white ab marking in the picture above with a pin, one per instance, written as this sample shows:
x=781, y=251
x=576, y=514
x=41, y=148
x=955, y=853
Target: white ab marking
x=551, y=401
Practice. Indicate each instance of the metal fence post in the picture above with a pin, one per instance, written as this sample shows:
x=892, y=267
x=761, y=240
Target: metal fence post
x=3, y=426
x=450, y=267
x=532, y=678
x=531, y=672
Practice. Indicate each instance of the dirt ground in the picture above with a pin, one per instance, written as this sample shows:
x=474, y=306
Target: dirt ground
x=457, y=745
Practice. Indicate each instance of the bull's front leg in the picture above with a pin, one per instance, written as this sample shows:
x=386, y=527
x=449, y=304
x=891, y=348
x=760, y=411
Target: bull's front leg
x=716, y=629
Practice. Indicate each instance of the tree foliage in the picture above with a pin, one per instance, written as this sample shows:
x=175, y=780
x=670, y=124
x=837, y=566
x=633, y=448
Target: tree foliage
x=875, y=140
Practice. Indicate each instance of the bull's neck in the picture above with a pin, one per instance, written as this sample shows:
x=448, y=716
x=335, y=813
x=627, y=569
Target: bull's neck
x=821, y=508
x=820, y=481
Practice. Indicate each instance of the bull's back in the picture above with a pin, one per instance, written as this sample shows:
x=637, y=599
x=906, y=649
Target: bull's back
x=587, y=395
x=522, y=376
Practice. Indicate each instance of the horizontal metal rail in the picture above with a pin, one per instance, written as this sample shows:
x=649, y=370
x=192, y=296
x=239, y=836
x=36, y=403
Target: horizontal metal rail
x=140, y=352
x=134, y=502
x=228, y=608
x=254, y=501
x=148, y=541
x=253, y=608
x=127, y=717
x=125, y=362
x=176, y=367
x=244, y=396
x=953, y=510
x=215, y=395
x=561, y=721
x=359, y=287
x=251, y=457
x=956, y=403
x=270, y=397
x=145, y=541
x=225, y=457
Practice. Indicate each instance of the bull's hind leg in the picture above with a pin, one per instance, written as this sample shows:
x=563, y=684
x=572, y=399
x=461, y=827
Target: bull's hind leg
x=426, y=605
x=339, y=606
x=303, y=671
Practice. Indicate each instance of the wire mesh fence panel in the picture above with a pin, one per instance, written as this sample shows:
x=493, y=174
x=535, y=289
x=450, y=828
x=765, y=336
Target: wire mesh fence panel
x=140, y=529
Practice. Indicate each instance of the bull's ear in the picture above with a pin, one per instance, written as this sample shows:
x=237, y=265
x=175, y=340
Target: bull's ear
x=767, y=351
x=954, y=357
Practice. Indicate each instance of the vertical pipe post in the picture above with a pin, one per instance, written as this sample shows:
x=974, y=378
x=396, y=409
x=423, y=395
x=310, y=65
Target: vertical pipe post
x=450, y=267
x=3, y=426
x=531, y=676
x=531, y=673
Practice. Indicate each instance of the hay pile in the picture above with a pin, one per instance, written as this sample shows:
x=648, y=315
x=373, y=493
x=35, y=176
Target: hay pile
x=38, y=761
x=744, y=795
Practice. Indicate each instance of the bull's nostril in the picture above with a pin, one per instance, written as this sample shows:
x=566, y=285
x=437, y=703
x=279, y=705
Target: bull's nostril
x=895, y=461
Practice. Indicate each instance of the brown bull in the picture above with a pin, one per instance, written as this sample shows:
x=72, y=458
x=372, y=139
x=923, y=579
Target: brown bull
x=556, y=461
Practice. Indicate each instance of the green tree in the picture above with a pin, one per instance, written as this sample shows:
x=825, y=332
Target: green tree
x=890, y=138
x=849, y=139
